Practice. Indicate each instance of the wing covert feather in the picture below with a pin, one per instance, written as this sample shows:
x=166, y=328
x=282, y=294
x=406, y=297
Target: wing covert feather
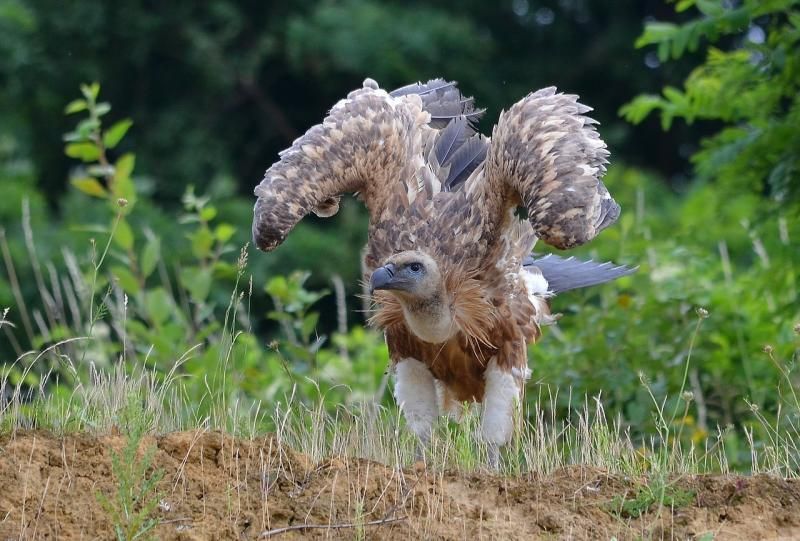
x=550, y=158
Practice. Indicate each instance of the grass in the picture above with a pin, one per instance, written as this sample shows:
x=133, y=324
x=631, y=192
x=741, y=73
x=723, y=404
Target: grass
x=131, y=397
x=136, y=400
x=656, y=493
x=98, y=397
x=544, y=443
x=131, y=507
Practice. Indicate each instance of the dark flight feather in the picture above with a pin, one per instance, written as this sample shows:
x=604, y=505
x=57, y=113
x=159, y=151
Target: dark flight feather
x=422, y=89
x=564, y=274
x=451, y=138
x=443, y=101
x=465, y=160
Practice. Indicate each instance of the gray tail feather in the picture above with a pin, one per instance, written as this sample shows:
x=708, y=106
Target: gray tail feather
x=564, y=274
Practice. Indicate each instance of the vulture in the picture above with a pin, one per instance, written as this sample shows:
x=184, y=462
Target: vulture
x=453, y=218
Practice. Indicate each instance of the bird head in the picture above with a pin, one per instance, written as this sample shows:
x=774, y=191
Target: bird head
x=412, y=276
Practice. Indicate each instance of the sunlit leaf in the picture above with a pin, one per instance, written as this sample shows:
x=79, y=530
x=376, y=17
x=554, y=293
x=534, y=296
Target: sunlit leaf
x=124, y=166
x=309, y=324
x=224, y=232
x=102, y=108
x=208, y=213
x=126, y=280
x=91, y=91
x=202, y=241
x=115, y=133
x=150, y=254
x=75, y=106
x=123, y=235
x=90, y=186
x=87, y=152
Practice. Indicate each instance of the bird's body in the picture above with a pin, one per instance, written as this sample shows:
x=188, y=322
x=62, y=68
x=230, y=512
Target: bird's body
x=447, y=258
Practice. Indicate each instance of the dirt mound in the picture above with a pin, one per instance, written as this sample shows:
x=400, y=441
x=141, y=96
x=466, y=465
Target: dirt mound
x=217, y=487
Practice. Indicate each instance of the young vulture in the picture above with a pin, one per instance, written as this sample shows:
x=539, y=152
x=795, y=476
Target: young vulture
x=447, y=259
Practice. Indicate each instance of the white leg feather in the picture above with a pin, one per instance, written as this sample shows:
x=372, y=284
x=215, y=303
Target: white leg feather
x=448, y=405
x=415, y=392
x=501, y=397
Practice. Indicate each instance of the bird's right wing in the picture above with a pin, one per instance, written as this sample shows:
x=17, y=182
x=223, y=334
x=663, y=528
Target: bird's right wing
x=368, y=143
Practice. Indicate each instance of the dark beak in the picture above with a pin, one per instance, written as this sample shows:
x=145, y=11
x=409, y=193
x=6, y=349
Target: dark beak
x=382, y=278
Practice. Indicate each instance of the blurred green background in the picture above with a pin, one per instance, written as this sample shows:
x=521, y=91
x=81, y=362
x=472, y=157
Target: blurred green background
x=698, y=102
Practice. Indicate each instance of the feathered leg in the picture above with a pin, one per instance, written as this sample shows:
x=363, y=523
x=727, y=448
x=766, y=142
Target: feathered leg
x=501, y=397
x=415, y=392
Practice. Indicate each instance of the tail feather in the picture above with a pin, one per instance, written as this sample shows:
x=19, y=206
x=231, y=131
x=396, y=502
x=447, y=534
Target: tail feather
x=565, y=274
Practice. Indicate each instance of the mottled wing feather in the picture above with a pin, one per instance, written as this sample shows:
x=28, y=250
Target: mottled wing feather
x=565, y=274
x=552, y=158
x=367, y=138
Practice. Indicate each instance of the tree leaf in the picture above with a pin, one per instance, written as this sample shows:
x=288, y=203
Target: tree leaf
x=124, y=166
x=90, y=186
x=150, y=255
x=123, y=186
x=75, y=106
x=202, y=241
x=126, y=280
x=102, y=108
x=91, y=91
x=208, y=213
x=278, y=287
x=123, y=236
x=115, y=133
x=197, y=282
x=86, y=127
x=309, y=324
x=87, y=152
x=159, y=305
x=279, y=316
x=100, y=170
x=224, y=232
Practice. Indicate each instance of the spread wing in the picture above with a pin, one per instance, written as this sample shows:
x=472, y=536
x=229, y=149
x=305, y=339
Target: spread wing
x=388, y=147
x=547, y=156
x=366, y=143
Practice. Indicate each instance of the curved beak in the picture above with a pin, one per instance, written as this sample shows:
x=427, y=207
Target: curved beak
x=382, y=278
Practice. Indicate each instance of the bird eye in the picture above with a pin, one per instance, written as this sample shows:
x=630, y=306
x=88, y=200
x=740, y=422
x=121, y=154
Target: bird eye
x=415, y=267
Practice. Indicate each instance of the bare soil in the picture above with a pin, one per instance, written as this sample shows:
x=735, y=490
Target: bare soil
x=218, y=487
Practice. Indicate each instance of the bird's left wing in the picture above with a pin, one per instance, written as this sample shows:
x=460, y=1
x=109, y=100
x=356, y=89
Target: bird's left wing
x=547, y=156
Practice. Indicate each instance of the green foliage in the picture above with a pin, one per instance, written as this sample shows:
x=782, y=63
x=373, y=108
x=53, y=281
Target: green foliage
x=390, y=42
x=171, y=296
x=701, y=250
x=752, y=87
x=132, y=505
x=653, y=494
x=728, y=245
